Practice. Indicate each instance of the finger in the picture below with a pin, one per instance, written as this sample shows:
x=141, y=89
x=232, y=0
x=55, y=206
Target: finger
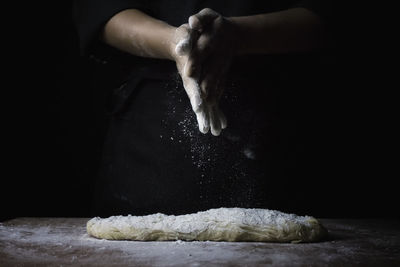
x=200, y=52
x=201, y=20
x=206, y=85
x=212, y=80
x=195, y=23
x=213, y=101
x=209, y=78
x=193, y=65
x=193, y=91
x=215, y=123
x=218, y=81
x=218, y=120
x=206, y=118
x=203, y=46
x=203, y=121
x=222, y=118
x=219, y=87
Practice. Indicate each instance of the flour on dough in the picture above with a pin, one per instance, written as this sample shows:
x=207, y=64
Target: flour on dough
x=223, y=224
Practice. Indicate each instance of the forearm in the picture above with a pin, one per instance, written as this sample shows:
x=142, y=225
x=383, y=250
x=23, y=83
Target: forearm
x=291, y=30
x=135, y=32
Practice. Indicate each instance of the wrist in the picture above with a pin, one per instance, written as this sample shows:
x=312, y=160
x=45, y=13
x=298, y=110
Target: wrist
x=169, y=43
x=178, y=42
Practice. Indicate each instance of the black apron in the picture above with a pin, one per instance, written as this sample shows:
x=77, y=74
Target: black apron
x=156, y=160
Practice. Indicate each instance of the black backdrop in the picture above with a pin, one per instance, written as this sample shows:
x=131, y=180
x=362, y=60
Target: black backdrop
x=54, y=125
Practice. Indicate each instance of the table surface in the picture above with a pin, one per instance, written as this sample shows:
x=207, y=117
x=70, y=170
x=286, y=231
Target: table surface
x=64, y=241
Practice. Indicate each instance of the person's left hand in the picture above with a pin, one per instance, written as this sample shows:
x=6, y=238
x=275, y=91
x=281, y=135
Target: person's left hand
x=209, y=60
x=205, y=57
x=212, y=53
x=181, y=46
x=207, y=113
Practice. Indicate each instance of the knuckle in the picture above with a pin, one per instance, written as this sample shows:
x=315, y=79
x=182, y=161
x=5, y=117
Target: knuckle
x=206, y=10
x=184, y=28
x=209, y=11
x=194, y=22
x=218, y=21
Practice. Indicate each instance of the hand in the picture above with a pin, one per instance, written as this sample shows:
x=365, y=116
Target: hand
x=213, y=51
x=184, y=38
x=210, y=59
x=207, y=45
x=204, y=50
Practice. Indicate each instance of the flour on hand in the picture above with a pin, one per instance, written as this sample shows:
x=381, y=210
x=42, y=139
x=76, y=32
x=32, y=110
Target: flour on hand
x=223, y=224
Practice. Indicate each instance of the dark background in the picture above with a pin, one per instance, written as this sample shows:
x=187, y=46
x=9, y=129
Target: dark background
x=54, y=123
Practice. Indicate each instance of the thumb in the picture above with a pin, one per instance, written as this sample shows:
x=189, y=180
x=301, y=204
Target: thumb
x=201, y=20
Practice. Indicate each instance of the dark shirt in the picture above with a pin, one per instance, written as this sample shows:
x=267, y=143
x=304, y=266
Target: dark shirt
x=156, y=160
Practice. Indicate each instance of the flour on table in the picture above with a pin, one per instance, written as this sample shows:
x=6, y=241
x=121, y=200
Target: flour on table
x=223, y=224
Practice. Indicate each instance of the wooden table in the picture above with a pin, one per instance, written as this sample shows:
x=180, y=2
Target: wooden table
x=64, y=241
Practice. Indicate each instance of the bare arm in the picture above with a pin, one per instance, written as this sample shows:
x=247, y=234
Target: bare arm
x=221, y=39
x=135, y=32
x=215, y=41
x=292, y=30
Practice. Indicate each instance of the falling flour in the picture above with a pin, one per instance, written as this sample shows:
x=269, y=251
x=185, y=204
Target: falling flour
x=184, y=129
